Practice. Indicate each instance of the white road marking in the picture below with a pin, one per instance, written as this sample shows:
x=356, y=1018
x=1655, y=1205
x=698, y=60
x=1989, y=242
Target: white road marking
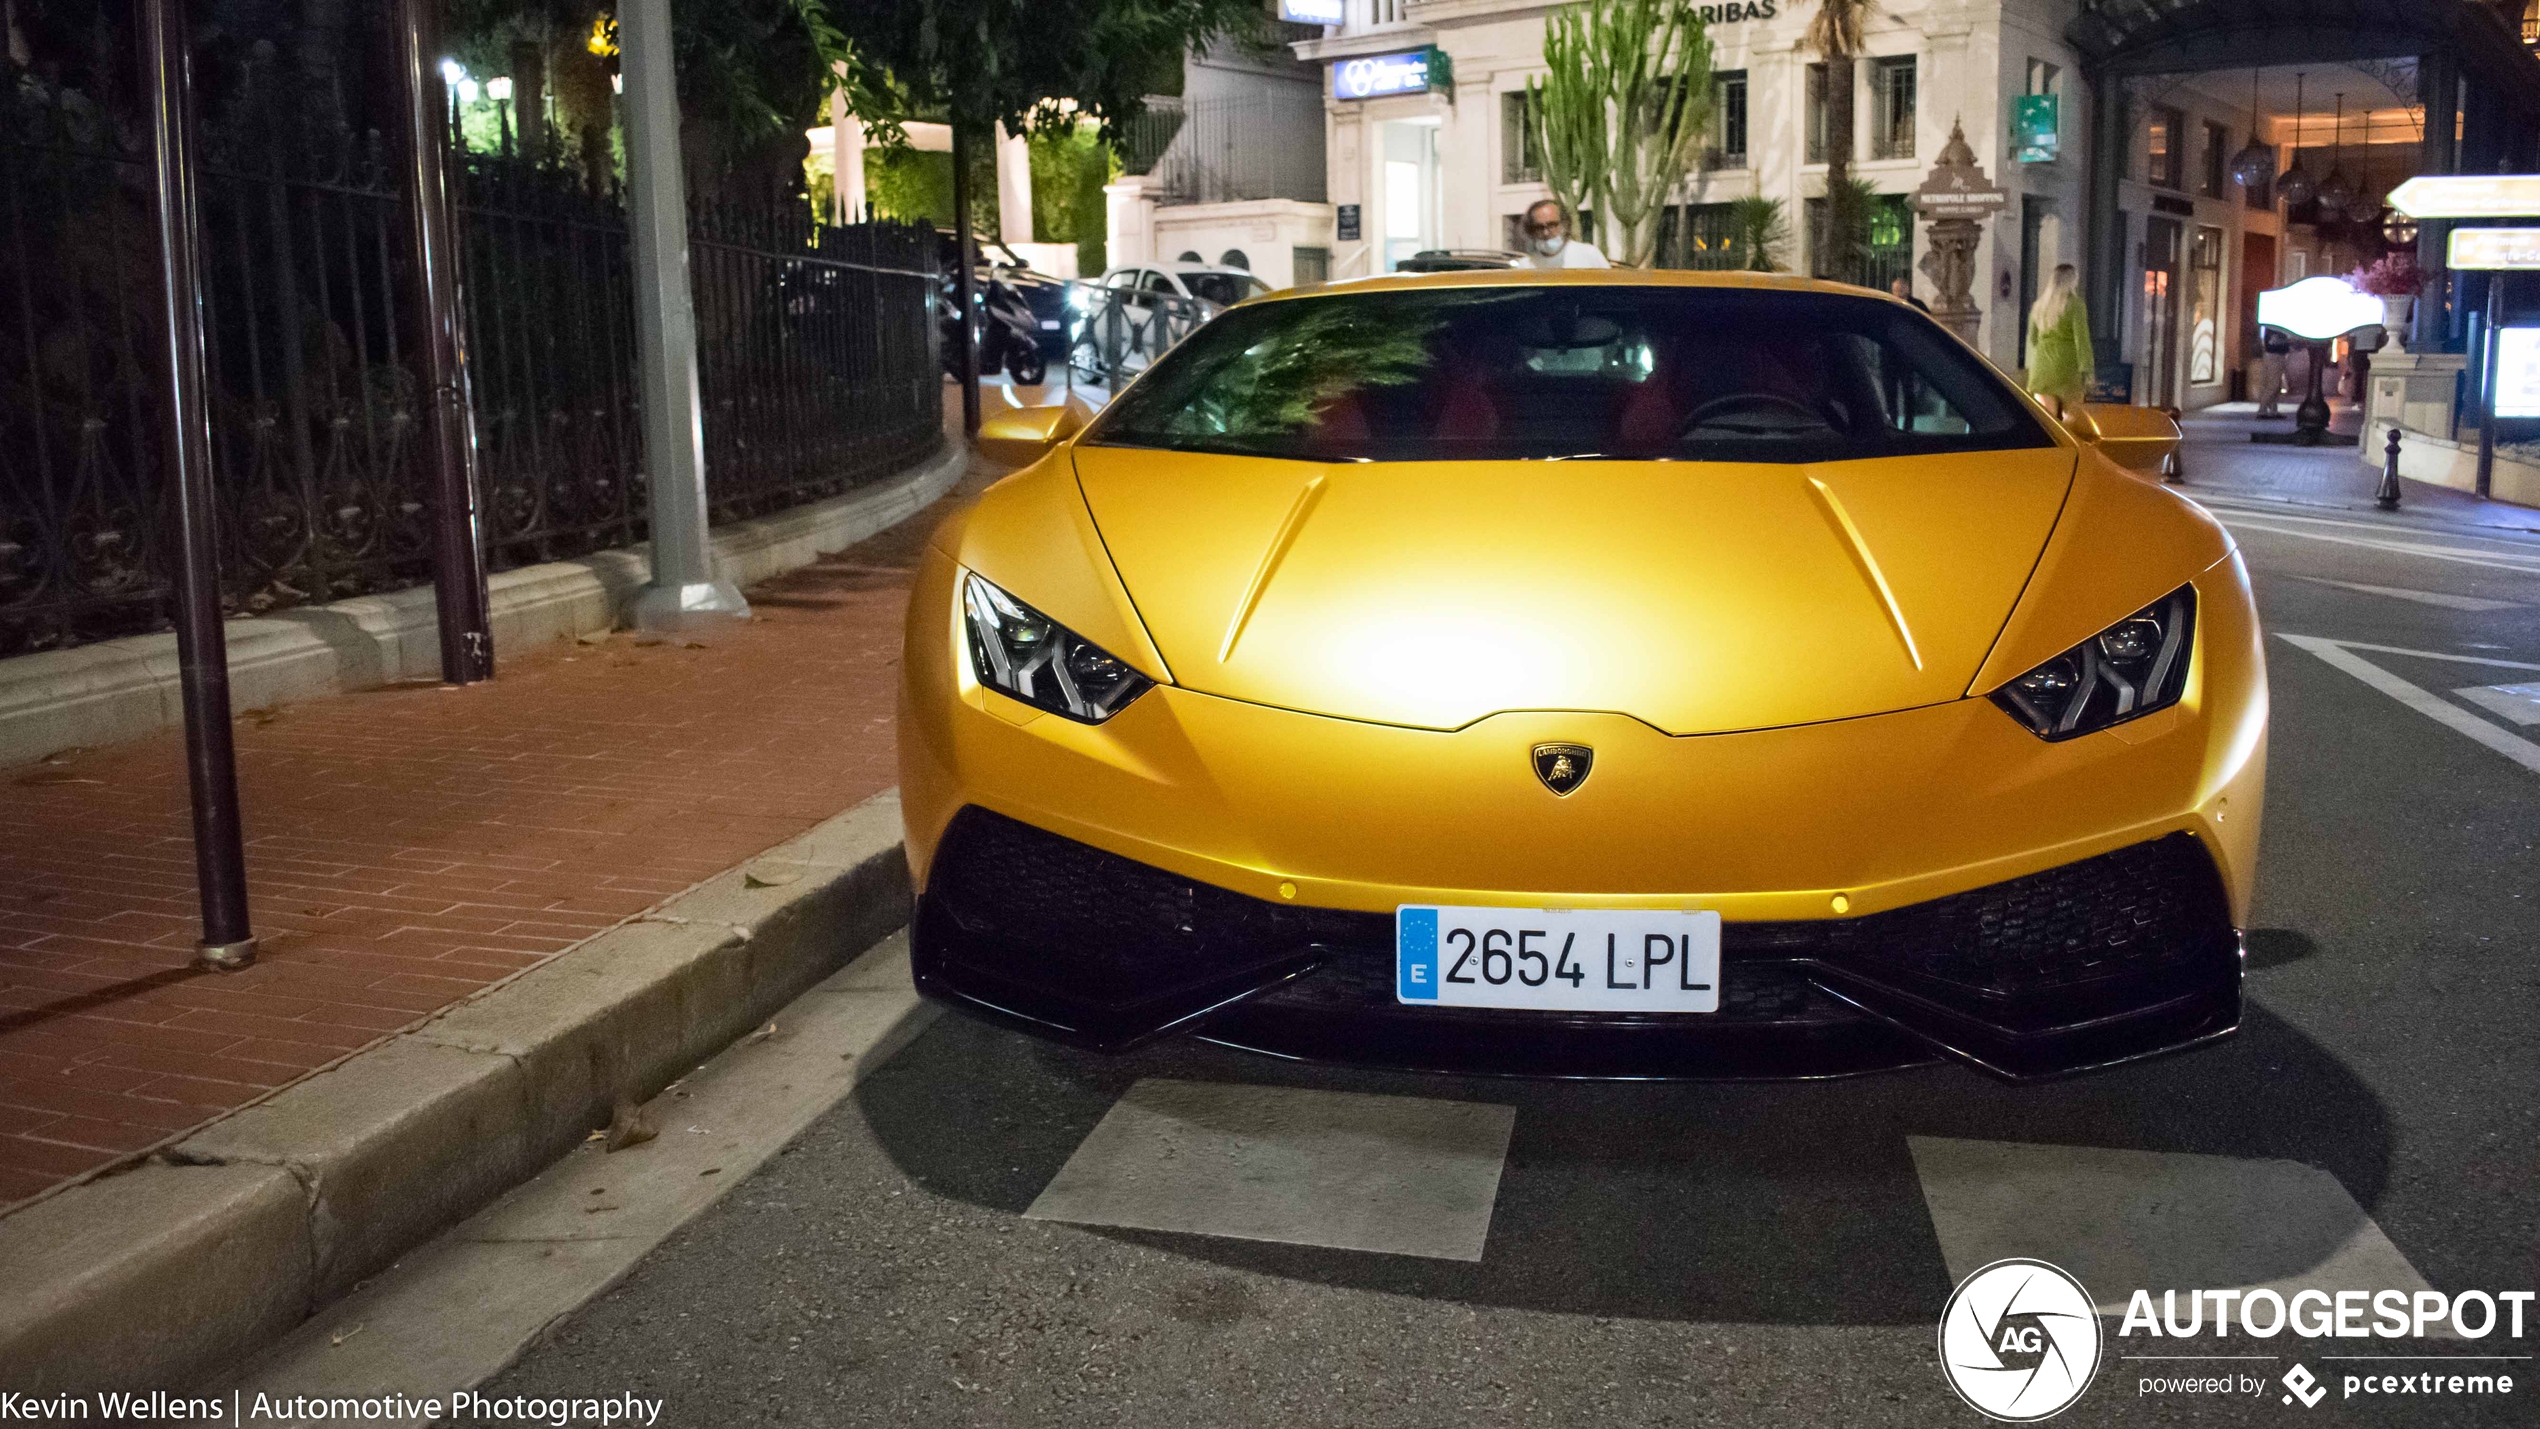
x=2518, y=538
x=2519, y=703
x=2122, y=1221
x=2424, y=701
x=455, y=1312
x=2421, y=597
x=2459, y=555
x=1402, y=1175
x=2421, y=654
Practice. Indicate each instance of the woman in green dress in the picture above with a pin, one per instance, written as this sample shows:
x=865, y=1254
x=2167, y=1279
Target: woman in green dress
x=2059, y=358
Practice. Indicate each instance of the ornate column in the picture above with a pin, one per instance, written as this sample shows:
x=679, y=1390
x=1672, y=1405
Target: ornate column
x=1957, y=198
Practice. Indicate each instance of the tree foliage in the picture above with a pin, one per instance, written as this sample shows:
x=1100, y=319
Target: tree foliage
x=1621, y=112
x=1759, y=233
x=982, y=62
x=1834, y=32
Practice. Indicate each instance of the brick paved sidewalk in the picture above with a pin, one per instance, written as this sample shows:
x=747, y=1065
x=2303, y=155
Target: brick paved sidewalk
x=409, y=846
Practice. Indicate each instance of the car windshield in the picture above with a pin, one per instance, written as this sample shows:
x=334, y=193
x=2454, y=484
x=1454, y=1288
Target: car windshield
x=1223, y=289
x=1563, y=372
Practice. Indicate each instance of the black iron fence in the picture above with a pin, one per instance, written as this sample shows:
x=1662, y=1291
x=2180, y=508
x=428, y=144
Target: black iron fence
x=816, y=361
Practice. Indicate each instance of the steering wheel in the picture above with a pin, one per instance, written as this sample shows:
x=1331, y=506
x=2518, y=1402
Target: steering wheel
x=1758, y=402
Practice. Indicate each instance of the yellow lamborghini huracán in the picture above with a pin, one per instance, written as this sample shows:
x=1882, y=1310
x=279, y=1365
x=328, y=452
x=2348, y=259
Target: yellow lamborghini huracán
x=1584, y=674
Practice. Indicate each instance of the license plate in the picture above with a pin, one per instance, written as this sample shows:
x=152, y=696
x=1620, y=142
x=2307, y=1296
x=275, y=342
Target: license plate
x=1561, y=959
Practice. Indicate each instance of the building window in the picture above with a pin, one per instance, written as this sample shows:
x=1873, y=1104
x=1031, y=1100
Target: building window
x=2204, y=332
x=1891, y=246
x=1698, y=235
x=1816, y=114
x=2261, y=197
x=2217, y=160
x=1518, y=162
x=2044, y=78
x=2168, y=133
x=1892, y=108
x=1728, y=123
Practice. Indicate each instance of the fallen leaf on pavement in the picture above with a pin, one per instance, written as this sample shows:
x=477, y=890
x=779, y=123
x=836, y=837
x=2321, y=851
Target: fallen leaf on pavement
x=771, y=875
x=341, y=1336
x=629, y=1126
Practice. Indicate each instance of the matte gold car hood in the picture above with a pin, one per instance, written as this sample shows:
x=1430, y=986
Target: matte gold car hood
x=1699, y=597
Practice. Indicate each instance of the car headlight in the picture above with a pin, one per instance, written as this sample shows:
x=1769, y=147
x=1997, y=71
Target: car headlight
x=2132, y=668
x=1018, y=651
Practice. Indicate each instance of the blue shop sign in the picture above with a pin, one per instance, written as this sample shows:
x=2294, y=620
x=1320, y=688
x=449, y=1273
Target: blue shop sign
x=1376, y=76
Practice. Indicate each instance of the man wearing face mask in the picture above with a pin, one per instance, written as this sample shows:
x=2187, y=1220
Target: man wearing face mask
x=1548, y=244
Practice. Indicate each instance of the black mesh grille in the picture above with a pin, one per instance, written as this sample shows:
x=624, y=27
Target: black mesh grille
x=2133, y=912
x=1049, y=912
x=1093, y=929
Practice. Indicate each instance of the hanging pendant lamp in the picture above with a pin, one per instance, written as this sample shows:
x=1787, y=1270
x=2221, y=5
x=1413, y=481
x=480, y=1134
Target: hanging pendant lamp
x=2367, y=203
x=2297, y=186
x=2337, y=190
x=2254, y=165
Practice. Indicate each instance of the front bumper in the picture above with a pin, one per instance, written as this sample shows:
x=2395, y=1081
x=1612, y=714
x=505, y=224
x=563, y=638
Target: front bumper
x=2115, y=957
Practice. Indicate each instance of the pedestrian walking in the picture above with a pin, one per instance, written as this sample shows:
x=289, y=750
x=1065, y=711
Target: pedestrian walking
x=2273, y=350
x=2060, y=360
x=1549, y=245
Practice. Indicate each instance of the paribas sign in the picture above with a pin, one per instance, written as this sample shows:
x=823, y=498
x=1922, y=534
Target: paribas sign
x=1736, y=10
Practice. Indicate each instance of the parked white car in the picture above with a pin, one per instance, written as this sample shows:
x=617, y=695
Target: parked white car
x=1131, y=314
x=1218, y=287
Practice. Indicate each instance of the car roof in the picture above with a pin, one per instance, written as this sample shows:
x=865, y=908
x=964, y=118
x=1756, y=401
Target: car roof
x=1589, y=278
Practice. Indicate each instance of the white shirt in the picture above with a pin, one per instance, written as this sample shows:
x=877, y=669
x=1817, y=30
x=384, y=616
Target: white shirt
x=1573, y=254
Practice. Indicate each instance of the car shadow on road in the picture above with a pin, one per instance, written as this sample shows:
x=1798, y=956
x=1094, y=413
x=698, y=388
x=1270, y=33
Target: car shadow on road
x=1787, y=1202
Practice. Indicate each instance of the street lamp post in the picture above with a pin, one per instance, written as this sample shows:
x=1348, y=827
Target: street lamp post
x=449, y=426
x=684, y=589
x=211, y=762
x=965, y=281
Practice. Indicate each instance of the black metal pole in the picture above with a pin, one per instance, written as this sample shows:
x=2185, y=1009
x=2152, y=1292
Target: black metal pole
x=220, y=855
x=965, y=282
x=449, y=425
x=2386, y=496
x=2487, y=349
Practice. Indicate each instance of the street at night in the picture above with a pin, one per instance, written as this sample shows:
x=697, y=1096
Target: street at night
x=1270, y=713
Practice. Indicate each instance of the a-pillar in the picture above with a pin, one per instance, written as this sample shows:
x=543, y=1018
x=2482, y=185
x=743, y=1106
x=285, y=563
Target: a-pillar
x=1014, y=187
x=684, y=589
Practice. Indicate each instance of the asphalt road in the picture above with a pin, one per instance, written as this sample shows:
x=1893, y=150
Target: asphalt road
x=1734, y=1254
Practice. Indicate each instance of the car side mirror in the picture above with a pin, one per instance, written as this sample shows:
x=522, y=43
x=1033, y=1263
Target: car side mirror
x=2143, y=439
x=1020, y=436
x=2078, y=421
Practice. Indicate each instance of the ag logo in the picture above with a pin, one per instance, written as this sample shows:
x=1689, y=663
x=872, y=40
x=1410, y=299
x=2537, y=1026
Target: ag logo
x=2019, y=1341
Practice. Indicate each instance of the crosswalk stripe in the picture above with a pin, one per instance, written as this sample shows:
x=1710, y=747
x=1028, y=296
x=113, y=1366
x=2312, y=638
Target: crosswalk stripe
x=2120, y=1221
x=1348, y=1170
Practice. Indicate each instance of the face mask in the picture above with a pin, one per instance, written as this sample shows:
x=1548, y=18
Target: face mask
x=1550, y=247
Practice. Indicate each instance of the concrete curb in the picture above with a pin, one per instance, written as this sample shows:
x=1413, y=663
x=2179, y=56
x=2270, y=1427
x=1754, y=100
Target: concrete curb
x=165, y=1274
x=122, y=689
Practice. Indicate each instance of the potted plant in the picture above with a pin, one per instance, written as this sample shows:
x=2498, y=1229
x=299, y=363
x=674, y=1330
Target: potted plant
x=2395, y=279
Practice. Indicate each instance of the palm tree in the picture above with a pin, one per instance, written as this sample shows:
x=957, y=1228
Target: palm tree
x=1835, y=34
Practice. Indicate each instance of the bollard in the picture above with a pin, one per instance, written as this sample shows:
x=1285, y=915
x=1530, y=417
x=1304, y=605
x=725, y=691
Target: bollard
x=2387, y=498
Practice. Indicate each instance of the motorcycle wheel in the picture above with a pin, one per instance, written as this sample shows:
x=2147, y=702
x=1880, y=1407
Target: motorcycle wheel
x=1026, y=365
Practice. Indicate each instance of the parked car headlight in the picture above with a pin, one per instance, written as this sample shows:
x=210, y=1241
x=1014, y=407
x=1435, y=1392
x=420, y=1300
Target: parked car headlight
x=1018, y=651
x=2130, y=669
